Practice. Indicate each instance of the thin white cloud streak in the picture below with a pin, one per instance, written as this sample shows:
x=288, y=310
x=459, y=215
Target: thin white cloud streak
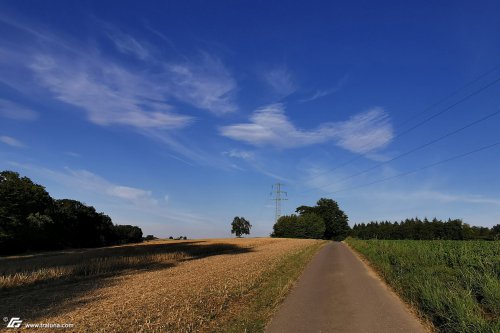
x=88, y=181
x=108, y=93
x=122, y=198
x=241, y=154
x=191, y=155
x=319, y=94
x=143, y=200
x=73, y=154
x=364, y=132
x=318, y=177
x=128, y=193
x=397, y=201
x=281, y=80
x=15, y=111
x=453, y=198
x=144, y=97
x=128, y=44
x=321, y=179
x=206, y=84
x=269, y=125
x=8, y=140
x=255, y=162
x=91, y=182
x=322, y=93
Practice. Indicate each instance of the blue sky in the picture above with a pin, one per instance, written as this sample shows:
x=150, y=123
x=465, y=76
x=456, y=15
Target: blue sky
x=178, y=116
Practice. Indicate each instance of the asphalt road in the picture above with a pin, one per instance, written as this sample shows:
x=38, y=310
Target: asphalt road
x=338, y=293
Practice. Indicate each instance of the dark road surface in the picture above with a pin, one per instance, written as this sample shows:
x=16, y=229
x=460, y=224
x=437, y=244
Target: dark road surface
x=338, y=293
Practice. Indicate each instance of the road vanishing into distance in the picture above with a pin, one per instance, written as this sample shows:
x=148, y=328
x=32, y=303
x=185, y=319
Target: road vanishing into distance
x=337, y=292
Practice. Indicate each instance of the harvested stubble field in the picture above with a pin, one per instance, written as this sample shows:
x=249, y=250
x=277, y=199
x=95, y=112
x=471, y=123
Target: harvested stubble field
x=160, y=286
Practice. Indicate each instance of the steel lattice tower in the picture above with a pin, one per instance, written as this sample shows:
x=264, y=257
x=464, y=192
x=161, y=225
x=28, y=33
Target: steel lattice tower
x=278, y=198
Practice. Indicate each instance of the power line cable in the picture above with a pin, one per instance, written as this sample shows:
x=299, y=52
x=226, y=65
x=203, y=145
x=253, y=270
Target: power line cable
x=447, y=135
x=447, y=108
x=476, y=92
x=421, y=168
x=453, y=93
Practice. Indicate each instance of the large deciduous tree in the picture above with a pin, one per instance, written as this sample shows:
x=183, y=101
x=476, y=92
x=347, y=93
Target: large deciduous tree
x=30, y=219
x=240, y=226
x=336, y=221
x=23, y=205
x=308, y=225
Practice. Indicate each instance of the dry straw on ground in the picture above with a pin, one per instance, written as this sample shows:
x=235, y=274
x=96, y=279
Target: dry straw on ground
x=163, y=286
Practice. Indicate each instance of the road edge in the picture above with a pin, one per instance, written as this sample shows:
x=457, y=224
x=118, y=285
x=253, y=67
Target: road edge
x=410, y=308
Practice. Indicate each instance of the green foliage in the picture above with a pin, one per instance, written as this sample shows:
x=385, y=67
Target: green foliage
x=423, y=230
x=495, y=232
x=79, y=225
x=127, y=234
x=31, y=220
x=257, y=308
x=336, y=221
x=285, y=227
x=20, y=198
x=313, y=225
x=454, y=283
x=308, y=225
x=240, y=226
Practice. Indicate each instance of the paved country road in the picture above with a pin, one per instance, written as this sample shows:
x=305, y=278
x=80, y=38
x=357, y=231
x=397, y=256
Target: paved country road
x=338, y=293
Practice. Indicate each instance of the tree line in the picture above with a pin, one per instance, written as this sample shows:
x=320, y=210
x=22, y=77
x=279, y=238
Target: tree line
x=30, y=219
x=327, y=221
x=424, y=230
x=323, y=221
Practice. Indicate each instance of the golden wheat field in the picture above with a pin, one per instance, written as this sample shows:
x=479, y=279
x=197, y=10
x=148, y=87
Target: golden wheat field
x=159, y=286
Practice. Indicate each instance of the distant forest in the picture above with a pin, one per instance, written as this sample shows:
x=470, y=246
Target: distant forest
x=31, y=220
x=424, y=229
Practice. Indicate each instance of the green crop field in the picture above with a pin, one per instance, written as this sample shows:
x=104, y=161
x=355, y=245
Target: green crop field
x=454, y=284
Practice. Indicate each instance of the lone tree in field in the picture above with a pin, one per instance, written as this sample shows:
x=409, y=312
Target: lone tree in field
x=240, y=226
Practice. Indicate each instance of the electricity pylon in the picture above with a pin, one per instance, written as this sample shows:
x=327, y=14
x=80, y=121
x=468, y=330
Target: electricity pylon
x=278, y=198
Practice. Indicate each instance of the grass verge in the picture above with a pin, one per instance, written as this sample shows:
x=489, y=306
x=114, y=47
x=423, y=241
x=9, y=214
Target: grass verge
x=453, y=284
x=256, y=308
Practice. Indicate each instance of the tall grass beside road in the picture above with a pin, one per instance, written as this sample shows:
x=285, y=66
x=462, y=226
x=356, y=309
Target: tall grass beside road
x=455, y=284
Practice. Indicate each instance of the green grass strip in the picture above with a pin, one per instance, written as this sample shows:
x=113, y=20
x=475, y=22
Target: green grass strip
x=257, y=308
x=454, y=284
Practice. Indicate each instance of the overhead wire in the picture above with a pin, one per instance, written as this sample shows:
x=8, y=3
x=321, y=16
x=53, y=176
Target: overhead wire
x=474, y=93
x=427, y=144
x=421, y=168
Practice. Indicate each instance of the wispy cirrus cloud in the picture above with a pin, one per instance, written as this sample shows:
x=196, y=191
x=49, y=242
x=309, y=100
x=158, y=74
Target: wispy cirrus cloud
x=89, y=181
x=281, y=80
x=72, y=154
x=325, y=92
x=453, y=198
x=15, y=111
x=8, y=140
x=206, y=84
x=269, y=125
x=238, y=153
x=155, y=93
x=364, y=132
x=108, y=93
x=127, y=44
x=130, y=204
